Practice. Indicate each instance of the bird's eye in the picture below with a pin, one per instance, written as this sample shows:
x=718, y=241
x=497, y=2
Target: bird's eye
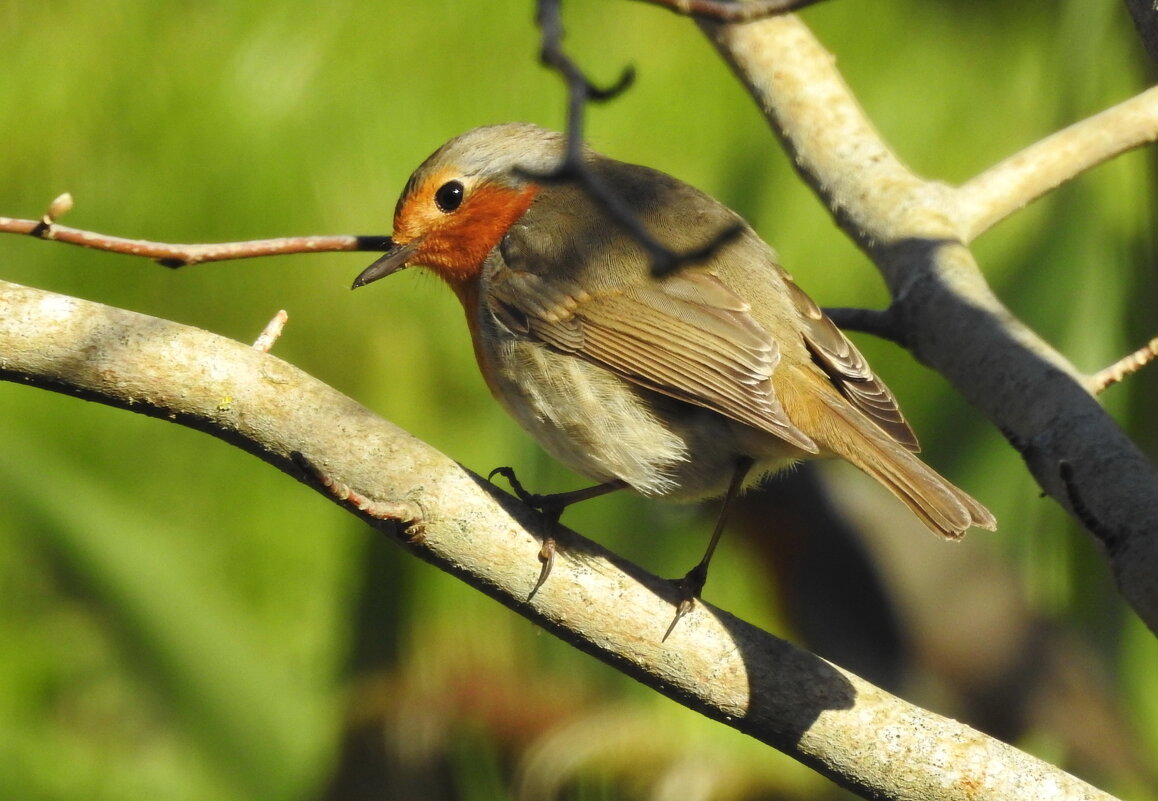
x=448, y=197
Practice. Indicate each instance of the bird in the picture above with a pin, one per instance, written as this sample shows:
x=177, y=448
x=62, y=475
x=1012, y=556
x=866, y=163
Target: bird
x=689, y=384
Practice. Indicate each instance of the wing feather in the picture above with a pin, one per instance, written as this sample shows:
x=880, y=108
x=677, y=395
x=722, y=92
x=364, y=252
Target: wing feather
x=849, y=371
x=686, y=336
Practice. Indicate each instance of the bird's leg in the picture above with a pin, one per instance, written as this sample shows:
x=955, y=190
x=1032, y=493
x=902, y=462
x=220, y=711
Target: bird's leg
x=551, y=507
x=692, y=584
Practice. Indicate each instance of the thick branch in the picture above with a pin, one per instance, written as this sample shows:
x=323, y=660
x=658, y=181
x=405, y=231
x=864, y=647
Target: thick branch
x=863, y=738
x=950, y=318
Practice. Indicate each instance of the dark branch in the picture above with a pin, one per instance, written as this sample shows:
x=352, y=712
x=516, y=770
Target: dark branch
x=879, y=323
x=580, y=92
x=731, y=10
x=1146, y=22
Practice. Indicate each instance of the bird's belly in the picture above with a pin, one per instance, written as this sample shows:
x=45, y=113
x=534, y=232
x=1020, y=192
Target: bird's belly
x=607, y=428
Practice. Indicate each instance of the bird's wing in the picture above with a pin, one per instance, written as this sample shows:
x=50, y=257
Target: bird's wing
x=848, y=370
x=686, y=336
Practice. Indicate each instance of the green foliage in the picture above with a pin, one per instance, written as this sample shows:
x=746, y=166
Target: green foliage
x=179, y=621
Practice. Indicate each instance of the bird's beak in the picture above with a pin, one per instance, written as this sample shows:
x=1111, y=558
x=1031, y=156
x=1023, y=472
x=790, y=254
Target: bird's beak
x=393, y=260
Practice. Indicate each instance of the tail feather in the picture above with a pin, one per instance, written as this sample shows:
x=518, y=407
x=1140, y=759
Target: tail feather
x=942, y=507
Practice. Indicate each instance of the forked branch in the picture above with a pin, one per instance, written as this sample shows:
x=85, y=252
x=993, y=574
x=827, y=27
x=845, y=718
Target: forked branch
x=915, y=231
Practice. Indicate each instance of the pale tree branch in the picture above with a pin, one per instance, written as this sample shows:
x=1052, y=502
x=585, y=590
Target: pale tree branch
x=849, y=730
x=914, y=231
x=985, y=200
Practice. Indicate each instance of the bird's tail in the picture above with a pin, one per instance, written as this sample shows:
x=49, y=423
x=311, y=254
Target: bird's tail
x=941, y=506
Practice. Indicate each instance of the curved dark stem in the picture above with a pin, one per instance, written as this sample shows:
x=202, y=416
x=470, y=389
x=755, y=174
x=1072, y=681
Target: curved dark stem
x=730, y=10
x=878, y=322
x=580, y=92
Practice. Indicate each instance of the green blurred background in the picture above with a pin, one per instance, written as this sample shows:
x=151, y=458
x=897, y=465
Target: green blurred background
x=180, y=621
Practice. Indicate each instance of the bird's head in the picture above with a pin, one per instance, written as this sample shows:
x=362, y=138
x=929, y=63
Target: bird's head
x=460, y=202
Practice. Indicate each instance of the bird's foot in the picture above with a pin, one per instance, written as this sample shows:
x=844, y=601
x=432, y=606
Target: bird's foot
x=551, y=508
x=547, y=557
x=546, y=505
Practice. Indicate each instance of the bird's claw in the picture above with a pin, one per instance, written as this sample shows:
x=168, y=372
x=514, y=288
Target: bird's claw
x=529, y=498
x=689, y=587
x=547, y=557
x=682, y=608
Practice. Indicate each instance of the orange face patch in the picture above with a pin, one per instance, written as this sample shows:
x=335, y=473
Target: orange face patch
x=455, y=244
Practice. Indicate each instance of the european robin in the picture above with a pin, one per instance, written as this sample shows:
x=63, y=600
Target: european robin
x=686, y=386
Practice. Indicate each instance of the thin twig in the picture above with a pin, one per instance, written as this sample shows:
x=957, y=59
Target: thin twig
x=730, y=10
x=1040, y=168
x=271, y=332
x=1128, y=365
x=581, y=91
x=177, y=255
